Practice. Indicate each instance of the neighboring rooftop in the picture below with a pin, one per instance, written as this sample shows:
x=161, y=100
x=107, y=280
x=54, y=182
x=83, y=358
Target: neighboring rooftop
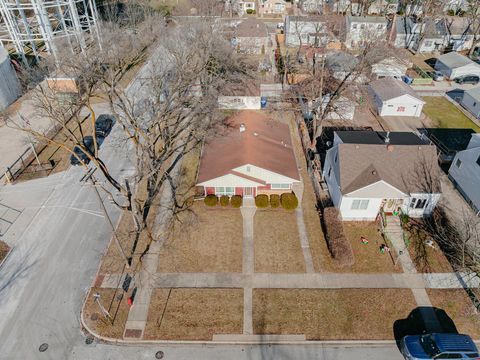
x=474, y=92
x=454, y=60
x=390, y=88
x=405, y=25
x=265, y=143
x=449, y=140
x=379, y=137
x=251, y=28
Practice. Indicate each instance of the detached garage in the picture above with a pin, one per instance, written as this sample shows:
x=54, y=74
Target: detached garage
x=393, y=97
x=454, y=65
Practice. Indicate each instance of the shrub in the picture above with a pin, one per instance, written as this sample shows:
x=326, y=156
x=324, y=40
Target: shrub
x=251, y=11
x=236, y=201
x=211, y=200
x=338, y=244
x=261, y=201
x=224, y=200
x=289, y=201
x=274, y=201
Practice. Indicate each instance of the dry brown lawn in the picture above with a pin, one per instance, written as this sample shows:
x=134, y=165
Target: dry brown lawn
x=322, y=260
x=277, y=245
x=4, y=249
x=207, y=240
x=368, y=258
x=353, y=314
x=194, y=314
x=426, y=258
x=459, y=307
x=117, y=307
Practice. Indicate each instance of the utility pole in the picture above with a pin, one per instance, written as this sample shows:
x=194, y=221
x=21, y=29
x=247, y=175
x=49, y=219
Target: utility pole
x=89, y=177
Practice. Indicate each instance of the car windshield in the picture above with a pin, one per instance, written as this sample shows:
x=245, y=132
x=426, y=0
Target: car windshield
x=429, y=345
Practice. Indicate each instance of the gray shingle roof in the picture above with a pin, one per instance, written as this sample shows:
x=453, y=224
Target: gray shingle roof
x=454, y=60
x=390, y=88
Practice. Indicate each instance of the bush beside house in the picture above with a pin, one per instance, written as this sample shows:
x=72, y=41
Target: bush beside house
x=261, y=201
x=236, y=201
x=289, y=201
x=224, y=200
x=211, y=200
x=274, y=201
x=338, y=244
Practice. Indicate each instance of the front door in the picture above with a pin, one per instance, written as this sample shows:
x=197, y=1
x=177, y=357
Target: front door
x=248, y=192
x=391, y=205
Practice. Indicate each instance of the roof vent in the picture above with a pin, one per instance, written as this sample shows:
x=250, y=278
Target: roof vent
x=242, y=127
x=387, y=138
x=390, y=147
x=374, y=172
x=255, y=134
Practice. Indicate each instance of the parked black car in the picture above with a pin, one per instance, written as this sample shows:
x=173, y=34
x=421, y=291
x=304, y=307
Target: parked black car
x=468, y=79
x=104, y=124
x=88, y=143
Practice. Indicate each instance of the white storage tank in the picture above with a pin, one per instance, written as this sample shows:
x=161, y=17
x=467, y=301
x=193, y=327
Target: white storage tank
x=9, y=84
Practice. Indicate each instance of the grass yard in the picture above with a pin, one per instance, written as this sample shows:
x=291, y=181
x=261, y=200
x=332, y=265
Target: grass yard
x=206, y=240
x=194, y=314
x=459, y=307
x=346, y=314
x=446, y=115
x=116, y=306
x=428, y=259
x=277, y=244
x=368, y=258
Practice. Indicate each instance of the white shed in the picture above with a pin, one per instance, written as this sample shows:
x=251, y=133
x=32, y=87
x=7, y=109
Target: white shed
x=471, y=101
x=393, y=97
x=454, y=65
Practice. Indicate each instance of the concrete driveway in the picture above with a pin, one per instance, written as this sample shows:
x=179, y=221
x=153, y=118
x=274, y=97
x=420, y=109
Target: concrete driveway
x=405, y=123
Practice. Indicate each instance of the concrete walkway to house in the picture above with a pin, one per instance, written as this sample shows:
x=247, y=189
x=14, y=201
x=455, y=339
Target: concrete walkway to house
x=394, y=232
x=248, y=210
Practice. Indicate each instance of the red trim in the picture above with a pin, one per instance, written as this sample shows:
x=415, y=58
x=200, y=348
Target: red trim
x=239, y=191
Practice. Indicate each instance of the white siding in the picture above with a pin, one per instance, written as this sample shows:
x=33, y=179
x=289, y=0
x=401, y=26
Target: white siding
x=469, y=69
x=239, y=102
x=230, y=180
x=466, y=177
x=401, y=106
x=370, y=213
x=263, y=174
x=471, y=104
x=432, y=200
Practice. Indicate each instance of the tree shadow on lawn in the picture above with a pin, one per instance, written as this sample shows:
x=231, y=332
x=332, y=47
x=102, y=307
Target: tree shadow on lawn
x=414, y=324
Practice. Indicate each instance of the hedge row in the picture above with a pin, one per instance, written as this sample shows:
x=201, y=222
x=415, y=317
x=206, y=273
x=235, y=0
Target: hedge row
x=212, y=200
x=288, y=201
x=338, y=244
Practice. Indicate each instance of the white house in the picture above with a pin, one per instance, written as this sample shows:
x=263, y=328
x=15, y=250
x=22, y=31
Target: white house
x=471, y=101
x=272, y=7
x=393, y=97
x=243, y=96
x=390, y=67
x=367, y=172
x=454, y=65
x=251, y=37
x=362, y=29
x=254, y=156
x=304, y=30
x=465, y=172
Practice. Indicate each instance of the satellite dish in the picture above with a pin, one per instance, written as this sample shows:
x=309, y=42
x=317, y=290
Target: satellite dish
x=329, y=143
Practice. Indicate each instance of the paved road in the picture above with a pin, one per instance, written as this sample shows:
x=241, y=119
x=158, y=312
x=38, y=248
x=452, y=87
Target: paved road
x=58, y=242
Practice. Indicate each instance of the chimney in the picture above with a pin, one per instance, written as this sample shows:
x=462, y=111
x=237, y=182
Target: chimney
x=242, y=128
x=387, y=138
x=390, y=147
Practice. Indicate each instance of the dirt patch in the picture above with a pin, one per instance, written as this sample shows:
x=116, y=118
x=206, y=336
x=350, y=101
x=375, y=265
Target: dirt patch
x=115, y=303
x=205, y=240
x=347, y=314
x=277, y=244
x=459, y=307
x=194, y=314
x=4, y=250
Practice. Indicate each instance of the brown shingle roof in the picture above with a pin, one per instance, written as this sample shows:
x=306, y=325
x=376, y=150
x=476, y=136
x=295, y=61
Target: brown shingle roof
x=265, y=143
x=251, y=28
x=409, y=168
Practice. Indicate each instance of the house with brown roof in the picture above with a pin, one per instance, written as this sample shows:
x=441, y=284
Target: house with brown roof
x=254, y=156
x=251, y=37
x=392, y=97
x=368, y=172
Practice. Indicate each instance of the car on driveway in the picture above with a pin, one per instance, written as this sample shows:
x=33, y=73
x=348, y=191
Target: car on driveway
x=104, y=125
x=468, y=79
x=438, y=346
x=88, y=143
x=437, y=76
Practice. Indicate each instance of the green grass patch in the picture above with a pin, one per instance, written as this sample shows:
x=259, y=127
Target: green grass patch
x=444, y=114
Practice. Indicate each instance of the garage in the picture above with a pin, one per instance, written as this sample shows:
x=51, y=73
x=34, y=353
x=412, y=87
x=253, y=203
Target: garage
x=454, y=65
x=393, y=97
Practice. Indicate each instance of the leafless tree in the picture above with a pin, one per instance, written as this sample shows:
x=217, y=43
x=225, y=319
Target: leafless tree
x=473, y=17
x=164, y=114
